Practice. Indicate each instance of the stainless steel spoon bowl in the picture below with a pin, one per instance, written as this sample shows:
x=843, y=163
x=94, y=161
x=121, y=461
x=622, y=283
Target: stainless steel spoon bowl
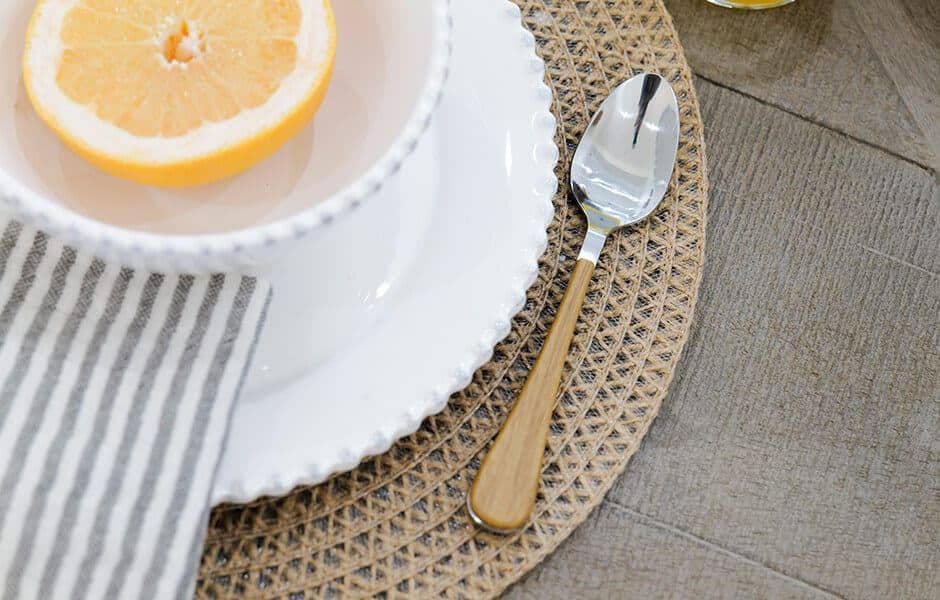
x=625, y=159
x=619, y=175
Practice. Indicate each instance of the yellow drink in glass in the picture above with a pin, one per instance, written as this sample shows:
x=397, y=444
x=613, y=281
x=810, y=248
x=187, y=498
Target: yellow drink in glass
x=751, y=4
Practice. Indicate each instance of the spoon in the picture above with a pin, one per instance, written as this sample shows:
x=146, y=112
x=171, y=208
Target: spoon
x=619, y=175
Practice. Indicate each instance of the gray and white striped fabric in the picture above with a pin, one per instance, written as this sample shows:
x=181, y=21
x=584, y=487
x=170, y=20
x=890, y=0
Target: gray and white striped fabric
x=116, y=389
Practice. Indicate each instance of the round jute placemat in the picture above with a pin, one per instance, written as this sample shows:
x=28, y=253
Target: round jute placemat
x=397, y=525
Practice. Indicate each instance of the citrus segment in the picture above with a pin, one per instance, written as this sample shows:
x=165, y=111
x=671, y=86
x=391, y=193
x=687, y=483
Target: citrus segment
x=178, y=92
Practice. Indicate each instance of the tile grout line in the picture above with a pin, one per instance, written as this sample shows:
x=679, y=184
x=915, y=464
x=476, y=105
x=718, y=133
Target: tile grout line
x=894, y=82
x=898, y=261
x=672, y=529
x=876, y=252
x=850, y=244
x=815, y=122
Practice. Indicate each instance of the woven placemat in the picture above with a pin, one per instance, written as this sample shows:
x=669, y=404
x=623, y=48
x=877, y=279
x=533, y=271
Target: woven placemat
x=397, y=525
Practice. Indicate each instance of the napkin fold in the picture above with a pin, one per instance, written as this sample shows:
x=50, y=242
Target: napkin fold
x=116, y=391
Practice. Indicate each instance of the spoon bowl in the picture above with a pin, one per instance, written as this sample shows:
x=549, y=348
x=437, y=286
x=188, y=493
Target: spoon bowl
x=623, y=164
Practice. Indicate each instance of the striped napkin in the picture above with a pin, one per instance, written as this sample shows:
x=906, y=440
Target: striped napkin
x=116, y=389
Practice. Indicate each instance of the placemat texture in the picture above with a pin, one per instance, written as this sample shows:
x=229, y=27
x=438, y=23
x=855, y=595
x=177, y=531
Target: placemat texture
x=397, y=524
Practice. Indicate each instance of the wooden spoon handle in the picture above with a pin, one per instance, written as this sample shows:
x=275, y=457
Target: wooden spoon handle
x=503, y=494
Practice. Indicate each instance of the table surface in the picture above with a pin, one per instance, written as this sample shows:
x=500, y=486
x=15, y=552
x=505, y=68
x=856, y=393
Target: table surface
x=797, y=454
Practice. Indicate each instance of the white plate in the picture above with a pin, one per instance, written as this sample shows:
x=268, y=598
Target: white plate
x=358, y=349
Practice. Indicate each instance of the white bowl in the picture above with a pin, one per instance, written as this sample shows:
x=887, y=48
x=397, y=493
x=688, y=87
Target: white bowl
x=391, y=65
